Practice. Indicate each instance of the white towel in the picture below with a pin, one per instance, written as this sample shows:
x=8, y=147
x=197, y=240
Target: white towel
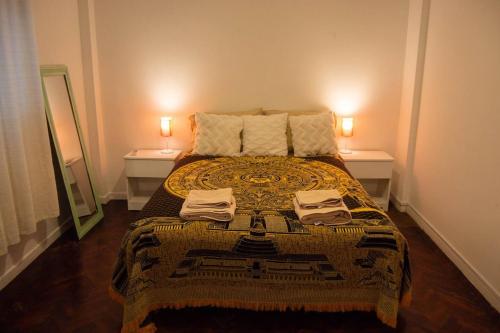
x=327, y=215
x=208, y=213
x=318, y=198
x=220, y=198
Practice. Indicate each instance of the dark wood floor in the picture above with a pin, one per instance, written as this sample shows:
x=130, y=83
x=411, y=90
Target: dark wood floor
x=65, y=290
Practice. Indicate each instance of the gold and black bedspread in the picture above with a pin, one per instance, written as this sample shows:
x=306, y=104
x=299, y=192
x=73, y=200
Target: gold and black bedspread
x=265, y=259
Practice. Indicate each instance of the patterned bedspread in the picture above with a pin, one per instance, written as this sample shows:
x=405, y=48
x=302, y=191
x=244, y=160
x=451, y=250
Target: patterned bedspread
x=265, y=259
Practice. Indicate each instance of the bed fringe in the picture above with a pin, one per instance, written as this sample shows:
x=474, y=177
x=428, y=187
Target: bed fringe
x=406, y=299
x=116, y=296
x=134, y=325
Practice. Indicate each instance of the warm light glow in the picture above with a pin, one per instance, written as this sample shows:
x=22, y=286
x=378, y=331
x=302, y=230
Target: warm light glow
x=170, y=101
x=166, y=126
x=346, y=106
x=347, y=126
x=347, y=100
x=169, y=83
x=168, y=97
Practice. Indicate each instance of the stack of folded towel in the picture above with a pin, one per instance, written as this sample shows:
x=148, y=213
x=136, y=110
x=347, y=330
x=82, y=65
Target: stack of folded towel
x=321, y=207
x=216, y=205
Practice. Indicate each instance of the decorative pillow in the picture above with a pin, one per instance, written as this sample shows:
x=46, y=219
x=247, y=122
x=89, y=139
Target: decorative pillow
x=265, y=135
x=313, y=135
x=252, y=112
x=217, y=134
x=296, y=113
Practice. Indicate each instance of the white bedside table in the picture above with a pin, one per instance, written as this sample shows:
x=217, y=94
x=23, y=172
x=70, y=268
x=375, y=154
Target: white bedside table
x=373, y=169
x=145, y=170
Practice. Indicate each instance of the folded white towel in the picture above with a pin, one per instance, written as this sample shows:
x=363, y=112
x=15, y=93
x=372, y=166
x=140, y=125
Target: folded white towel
x=208, y=213
x=318, y=198
x=220, y=198
x=327, y=215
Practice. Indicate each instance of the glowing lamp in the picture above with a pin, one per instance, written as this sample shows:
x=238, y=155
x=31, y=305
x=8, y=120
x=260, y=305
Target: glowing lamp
x=166, y=131
x=347, y=131
x=347, y=125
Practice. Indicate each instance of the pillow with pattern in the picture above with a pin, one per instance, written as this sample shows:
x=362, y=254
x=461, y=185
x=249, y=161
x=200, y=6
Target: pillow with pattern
x=265, y=135
x=313, y=135
x=296, y=113
x=217, y=135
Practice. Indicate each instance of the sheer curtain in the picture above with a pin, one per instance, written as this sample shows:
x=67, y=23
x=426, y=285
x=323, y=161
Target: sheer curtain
x=27, y=185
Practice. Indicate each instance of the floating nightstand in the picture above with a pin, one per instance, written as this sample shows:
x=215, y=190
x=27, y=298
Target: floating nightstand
x=146, y=169
x=373, y=169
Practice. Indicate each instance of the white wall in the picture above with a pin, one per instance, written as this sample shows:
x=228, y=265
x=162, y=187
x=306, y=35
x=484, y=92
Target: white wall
x=416, y=40
x=455, y=183
x=178, y=57
x=58, y=39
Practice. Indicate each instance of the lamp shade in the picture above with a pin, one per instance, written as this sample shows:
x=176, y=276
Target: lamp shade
x=166, y=126
x=347, y=126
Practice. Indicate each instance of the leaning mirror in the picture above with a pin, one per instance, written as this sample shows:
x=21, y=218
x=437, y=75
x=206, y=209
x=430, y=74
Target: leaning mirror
x=68, y=141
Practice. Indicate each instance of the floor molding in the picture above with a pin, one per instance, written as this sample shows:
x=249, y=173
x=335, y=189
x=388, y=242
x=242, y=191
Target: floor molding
x=31, y=255
x=398, y=203
x=471, y=273
x=113, y=196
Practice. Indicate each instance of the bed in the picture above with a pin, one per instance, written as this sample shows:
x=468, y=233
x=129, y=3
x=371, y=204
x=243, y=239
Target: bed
x=265, y=259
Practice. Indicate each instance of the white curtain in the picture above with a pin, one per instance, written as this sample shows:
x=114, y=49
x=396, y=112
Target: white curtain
x=27, y=184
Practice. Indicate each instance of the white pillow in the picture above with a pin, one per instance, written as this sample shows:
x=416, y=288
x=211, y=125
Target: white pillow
x=313, y=135
x=265, y=135
x=217, y=135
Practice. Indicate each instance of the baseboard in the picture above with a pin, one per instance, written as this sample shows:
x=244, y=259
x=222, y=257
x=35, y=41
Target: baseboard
x=113, y=196
x=398, y=203
x=472, y=274
x=31, y=255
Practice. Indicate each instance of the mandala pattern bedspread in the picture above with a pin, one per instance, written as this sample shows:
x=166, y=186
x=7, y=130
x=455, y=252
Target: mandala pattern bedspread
x=265, y=259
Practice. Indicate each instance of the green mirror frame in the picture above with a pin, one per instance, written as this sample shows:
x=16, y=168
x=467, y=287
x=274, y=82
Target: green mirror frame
x=81, y=229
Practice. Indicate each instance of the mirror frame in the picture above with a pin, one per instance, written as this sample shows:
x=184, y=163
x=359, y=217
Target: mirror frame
x=81, y=229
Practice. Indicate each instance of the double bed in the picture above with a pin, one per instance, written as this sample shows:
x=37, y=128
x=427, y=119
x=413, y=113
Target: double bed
x=265, y=259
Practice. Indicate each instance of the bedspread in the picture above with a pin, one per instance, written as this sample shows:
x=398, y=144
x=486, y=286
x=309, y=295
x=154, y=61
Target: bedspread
x=265, y=259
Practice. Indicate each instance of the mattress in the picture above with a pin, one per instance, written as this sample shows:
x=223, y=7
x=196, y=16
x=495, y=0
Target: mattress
x=265, y=259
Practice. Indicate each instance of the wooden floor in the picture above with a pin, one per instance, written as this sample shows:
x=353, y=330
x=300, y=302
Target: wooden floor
x=65, y=290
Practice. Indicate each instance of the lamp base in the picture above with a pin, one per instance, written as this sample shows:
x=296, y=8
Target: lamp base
x=345, y=151
x=166, y=151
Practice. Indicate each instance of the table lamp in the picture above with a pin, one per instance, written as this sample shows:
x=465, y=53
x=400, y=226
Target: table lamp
x=347, y=131
x=166, y=131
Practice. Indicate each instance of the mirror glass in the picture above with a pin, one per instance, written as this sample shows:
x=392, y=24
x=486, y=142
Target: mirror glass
x=63, y=122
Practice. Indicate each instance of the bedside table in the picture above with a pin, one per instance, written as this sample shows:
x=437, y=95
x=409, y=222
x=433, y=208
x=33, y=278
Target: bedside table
x=373, y=169
x=145, y=170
